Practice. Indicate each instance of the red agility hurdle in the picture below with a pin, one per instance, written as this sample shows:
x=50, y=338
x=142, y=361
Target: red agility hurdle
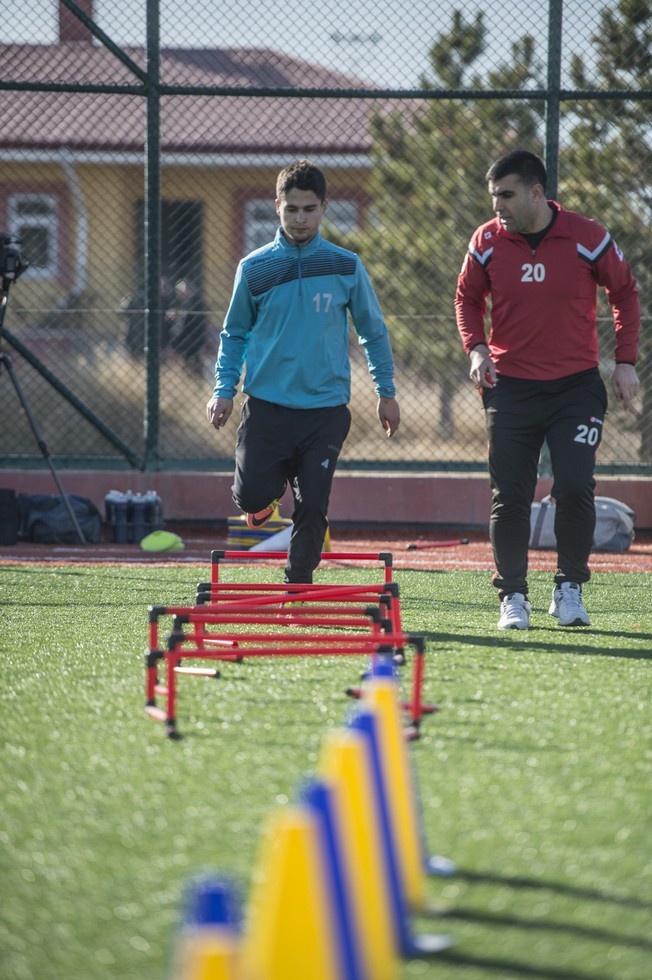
x=182, y=646
x=216, y=629
x=387, y=592
x=384, y=557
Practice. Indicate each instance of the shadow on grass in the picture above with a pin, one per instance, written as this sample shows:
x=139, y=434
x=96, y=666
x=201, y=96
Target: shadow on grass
x=517, y=922
x=505, y=968
x=124, y=573
x=562, y=888
x=499, y=641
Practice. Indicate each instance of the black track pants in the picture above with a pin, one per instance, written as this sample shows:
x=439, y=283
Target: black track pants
x=277, y=446
x=569, y=414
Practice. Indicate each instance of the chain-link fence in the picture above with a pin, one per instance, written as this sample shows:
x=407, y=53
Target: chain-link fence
x=138, y=154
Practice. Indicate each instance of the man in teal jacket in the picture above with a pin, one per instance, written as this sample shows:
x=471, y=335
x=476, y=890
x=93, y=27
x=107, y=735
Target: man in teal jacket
x=287, y=325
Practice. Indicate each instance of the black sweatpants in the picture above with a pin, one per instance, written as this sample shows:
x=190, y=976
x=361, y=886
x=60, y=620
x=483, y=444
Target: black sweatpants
x=277, y=446
x=569, y=414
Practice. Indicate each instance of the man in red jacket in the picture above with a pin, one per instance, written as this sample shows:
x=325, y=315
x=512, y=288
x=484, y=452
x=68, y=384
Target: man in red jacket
x=537, y=372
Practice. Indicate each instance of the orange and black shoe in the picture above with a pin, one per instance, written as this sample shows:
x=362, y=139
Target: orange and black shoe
x=261, y=517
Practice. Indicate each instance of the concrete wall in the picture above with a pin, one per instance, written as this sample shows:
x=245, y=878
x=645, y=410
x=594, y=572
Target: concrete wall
x=442, y=499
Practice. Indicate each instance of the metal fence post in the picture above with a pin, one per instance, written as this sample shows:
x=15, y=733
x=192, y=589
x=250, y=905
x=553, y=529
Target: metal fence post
x=152, y=238
x=553, y=112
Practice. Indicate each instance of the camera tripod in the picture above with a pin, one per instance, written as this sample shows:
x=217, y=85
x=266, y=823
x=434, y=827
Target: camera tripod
x=5, y=361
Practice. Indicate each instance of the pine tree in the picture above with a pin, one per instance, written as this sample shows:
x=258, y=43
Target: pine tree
x=428, y=184
x=606, y=169
x=429, y=192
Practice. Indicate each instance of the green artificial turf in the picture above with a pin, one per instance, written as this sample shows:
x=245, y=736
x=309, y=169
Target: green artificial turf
x=532, y=777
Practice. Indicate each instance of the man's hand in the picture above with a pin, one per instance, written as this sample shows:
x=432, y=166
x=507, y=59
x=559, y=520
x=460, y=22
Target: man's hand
x=218, y=411
x=625, y=383
x=389, y=414
x=483, y=370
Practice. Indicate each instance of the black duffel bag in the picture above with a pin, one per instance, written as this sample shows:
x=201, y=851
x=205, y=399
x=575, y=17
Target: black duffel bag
x=44, y=518
x=9, y=516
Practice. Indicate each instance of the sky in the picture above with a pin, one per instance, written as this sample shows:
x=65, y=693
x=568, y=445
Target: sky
x=386, y=43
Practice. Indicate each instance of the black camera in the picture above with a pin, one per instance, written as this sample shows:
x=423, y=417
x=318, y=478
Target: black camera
x=12, y=263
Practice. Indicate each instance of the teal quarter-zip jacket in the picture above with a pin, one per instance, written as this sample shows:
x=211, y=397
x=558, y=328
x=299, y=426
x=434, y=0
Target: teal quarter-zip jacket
x=288, y=325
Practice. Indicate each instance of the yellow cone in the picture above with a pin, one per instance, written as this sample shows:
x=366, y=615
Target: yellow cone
x=345, y=768
x=290, y=932
x=382, y=697
x=207, y=954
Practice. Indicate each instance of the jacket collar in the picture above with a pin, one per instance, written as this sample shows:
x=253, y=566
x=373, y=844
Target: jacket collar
x=290, y=248
x=560, y=226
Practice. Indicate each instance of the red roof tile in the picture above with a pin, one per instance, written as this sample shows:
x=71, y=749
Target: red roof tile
x=197, y=124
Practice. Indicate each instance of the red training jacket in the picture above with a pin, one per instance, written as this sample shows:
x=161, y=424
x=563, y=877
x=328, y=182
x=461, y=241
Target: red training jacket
x=543, y=302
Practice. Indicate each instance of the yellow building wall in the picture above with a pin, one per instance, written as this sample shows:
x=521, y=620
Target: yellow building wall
x=105, y=196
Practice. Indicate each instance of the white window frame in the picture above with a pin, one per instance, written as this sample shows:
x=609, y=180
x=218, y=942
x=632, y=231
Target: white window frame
x=49, y=222
x=260, y=223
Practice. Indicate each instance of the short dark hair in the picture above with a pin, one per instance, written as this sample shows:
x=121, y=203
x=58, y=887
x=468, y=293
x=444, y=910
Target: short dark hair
x=305, y=176
x=527, y=166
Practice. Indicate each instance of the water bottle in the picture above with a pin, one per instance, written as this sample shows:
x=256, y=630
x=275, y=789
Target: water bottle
x=115, y=509
x=138, y=517
x=154, y=511
x=121, y=518
x=109, y=506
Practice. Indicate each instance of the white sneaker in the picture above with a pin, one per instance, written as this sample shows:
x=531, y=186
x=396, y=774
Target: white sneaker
x=567, y=606
x=514, y=612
